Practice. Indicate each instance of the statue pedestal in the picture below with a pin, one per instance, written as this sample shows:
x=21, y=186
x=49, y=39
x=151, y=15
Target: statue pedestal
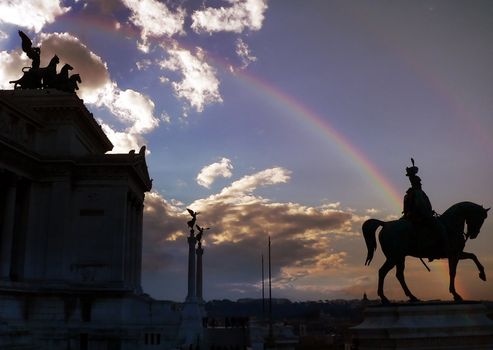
x=191, y=328
x=438, y=325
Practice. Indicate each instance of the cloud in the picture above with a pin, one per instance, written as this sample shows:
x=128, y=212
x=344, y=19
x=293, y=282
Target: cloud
x=10, y=69
x=130, y=107
x=33, y=14
x=241, y=15
x=164, y=223
x=243, y=51
x=155, y=19
x=209, y=173
x=199, y=84
x=240, y=222
x=240, y=191
x=123, y=141
x=92, y=69
x=143, y=64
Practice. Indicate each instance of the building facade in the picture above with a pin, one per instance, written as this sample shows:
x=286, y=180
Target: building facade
x=71, y=232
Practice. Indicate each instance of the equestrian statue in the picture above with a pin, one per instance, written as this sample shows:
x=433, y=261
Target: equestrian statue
x=421, y=233
x=36, y=77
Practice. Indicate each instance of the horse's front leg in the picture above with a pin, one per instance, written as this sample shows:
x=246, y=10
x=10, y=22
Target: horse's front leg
x=400, y=276
x=452, y=267
x=382, y=272
x=473, y=257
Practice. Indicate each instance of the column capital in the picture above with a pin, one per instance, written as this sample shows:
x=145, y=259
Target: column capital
x=191, y=240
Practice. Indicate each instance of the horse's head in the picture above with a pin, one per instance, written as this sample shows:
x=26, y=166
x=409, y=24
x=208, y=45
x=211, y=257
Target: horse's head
x=475, y=220
x=54, y=61
x=76, y=77
x=67, y=66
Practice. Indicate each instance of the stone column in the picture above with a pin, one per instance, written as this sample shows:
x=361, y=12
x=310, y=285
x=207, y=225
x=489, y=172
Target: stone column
x=133, y=232
x=127, y=241
x=8, y=228
x=128, y=261
x=191, y=268
x=200, y=252
x=138, y=254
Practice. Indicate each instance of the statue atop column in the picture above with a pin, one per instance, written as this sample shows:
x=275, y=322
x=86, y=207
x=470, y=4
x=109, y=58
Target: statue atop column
x=36, y=77
x=191, y=223
x=198, y=237
x=195, y=252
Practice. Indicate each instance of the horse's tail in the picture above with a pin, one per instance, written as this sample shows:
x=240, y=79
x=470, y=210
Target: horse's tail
x=369, y=228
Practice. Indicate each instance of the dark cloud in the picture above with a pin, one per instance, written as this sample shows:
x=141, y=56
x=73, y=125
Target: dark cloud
x=163, y=225
x=240, y=225
x=71, y=50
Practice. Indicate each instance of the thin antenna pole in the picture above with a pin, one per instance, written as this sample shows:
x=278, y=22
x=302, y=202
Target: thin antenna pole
x=263, y=289
x=270, y=297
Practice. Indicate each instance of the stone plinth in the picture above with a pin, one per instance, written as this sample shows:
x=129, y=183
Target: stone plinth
x=191, y=327
x=425, y=326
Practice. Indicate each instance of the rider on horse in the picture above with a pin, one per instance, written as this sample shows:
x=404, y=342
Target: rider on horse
x=417, y=207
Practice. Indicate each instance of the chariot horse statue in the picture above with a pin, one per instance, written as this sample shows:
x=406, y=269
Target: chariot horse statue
x=36, y=77
x=444, y=238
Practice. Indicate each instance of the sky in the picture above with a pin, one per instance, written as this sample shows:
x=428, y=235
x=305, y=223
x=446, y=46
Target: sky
x=282, y=118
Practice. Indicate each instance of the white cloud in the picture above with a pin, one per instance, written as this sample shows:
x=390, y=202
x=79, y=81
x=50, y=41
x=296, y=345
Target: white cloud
x=130, y=107
x=249, y=183
x=199, y=85
x=240, y=191
x=243, y=51
x=165, y=117
x=209, y=173
x=143, y=64
x=155, y=19
x=123, y=141
x=33, y=14
x=372, y=211
x=10, y=69
x=241, y=15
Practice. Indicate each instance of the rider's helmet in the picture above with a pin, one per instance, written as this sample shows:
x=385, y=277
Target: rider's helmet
x=413, y=170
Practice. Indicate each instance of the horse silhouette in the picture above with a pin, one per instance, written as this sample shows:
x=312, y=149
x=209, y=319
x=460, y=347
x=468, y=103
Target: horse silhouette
x=35, y=78
x=61, y=79
x=401, y=238
x=72, y=83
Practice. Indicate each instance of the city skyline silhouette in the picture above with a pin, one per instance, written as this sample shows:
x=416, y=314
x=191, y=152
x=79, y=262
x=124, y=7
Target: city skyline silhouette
x=292, y=121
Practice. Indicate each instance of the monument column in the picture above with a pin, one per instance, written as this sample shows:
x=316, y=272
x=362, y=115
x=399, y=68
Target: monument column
x=200, y=252
x=8, y=227
x=191, y=267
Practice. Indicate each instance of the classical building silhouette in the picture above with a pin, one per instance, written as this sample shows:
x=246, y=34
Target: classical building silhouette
x=71, y=232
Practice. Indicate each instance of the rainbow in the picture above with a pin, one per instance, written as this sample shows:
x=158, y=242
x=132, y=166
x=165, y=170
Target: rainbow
x=303, y=114
x=317, y=123
x=294, y=107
